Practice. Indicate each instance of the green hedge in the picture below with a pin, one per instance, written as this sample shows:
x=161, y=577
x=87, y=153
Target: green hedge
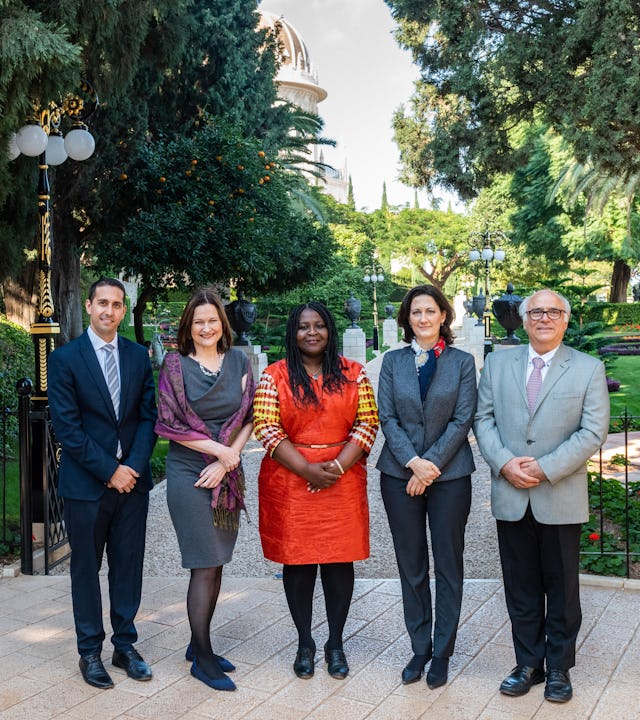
x=612, y=313
x=16, y=361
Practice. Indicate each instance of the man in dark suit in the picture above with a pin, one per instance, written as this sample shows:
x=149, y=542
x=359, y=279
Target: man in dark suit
x=102, y=402
x=543, y=410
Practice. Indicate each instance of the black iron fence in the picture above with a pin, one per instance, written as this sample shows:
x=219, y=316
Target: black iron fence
x=611, y=539
x=40, y=505
x=9, y=535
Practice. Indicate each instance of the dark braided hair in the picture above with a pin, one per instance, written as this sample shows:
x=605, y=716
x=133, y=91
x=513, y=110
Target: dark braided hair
x=332, y=367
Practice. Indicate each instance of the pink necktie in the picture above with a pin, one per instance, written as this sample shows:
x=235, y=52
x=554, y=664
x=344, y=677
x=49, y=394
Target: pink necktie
x=534, y=383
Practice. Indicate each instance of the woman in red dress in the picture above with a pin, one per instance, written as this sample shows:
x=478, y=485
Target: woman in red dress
x=315, y=413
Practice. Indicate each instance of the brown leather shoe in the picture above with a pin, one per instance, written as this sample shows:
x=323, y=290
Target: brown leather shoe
x=520, y=680
x=558, y=688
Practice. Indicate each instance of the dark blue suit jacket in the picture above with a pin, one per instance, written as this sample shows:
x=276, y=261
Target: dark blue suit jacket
x=85, y=423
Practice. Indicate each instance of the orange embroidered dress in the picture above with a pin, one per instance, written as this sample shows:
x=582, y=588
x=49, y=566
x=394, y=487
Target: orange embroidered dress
x=298, y=527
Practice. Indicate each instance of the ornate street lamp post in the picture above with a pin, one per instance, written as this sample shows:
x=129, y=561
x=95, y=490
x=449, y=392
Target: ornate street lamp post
x=489, y=253
x=373, y=274
x=42, y=138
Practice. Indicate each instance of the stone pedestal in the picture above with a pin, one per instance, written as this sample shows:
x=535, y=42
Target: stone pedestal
x=468, y=323
x=257, y=359
x=390, y=332
x=354, y=345
x=458, y=309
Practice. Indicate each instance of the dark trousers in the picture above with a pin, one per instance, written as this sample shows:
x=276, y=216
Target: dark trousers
x=540, y=565
x=446, y=504
x=116, y=521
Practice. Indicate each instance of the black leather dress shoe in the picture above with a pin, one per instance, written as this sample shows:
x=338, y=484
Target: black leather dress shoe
x=438, y=672
x=520, y=680
x=303, y=665
x=94, y=673
x=558, y=688
x=337, y=665
x=132, y=663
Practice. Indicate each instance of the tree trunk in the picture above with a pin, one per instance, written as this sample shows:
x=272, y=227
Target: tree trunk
x=65, y=284
x=620, y=278
x=20, y=296
x=144, y=295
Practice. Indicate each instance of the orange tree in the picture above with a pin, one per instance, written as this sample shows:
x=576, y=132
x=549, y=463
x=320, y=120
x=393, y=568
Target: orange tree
x=210, y=208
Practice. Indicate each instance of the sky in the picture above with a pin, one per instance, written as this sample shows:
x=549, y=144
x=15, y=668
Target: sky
x=367, y=77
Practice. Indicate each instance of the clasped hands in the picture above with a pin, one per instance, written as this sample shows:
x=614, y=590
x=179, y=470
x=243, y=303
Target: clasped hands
x=523, y=472
x=227, y=458
x=124, y=479
x=424, y=474
x=321, y=475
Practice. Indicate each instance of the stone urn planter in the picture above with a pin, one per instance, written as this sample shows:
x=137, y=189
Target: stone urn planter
x=505, y=309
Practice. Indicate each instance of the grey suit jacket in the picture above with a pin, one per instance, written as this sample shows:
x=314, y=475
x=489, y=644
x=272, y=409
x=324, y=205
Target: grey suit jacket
x=570, y=422
x=437, y=429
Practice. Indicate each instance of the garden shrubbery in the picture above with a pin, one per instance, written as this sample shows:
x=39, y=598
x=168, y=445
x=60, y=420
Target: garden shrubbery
x=16, y=361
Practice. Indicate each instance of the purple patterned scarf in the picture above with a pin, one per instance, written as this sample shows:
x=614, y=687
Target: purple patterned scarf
x=178, y=421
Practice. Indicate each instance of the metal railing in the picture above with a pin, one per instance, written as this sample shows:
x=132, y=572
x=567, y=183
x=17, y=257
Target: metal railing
x=614, y=507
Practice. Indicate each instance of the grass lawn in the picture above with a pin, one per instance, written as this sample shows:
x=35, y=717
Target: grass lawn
x=627, y=370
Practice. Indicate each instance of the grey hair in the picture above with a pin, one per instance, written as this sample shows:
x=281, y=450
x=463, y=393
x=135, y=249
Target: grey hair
x=524, y=305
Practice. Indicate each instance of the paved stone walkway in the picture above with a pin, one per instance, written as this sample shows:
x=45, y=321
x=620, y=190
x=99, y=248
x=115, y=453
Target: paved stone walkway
x=39, y=675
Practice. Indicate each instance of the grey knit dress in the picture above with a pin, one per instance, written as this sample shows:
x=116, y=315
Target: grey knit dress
x=214, y=399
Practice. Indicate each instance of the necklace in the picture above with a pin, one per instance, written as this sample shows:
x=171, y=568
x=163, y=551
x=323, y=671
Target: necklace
x=315, y=374
x=211, y=373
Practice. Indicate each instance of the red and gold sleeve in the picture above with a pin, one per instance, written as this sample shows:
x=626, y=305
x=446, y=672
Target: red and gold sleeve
x=364, y=430
x=266, y=414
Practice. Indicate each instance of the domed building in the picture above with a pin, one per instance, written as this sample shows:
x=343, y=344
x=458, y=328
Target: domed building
x=298, y=84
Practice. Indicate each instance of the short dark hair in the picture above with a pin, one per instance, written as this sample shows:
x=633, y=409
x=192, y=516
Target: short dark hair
x=332, y=368
x=203, y=296
x=112, y=282
x=441, y=302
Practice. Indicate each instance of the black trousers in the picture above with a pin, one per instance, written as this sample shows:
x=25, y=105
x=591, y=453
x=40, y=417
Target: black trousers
x=446, y=504
x=540, y=566
x=116, y=521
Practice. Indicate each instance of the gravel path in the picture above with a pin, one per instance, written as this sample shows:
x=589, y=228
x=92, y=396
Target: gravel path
x=481, y=553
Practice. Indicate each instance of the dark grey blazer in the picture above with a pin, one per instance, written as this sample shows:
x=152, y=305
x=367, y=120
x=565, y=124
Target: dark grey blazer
x=437, y=429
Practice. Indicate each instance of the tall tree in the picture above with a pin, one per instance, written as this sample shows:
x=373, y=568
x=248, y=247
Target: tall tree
x=487, y=66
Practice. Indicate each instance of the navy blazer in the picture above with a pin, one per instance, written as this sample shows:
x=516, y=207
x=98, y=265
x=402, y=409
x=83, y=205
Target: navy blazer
x=84, y=420
x=437, y=429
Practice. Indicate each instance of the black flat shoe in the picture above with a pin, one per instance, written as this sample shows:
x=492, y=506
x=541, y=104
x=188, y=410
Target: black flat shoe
x=225, y=665
x=132, y=663
x=93, y=672
x=558, y=688
x=438, y=673
x=303, y=665
x=337, y=665
x=414, y=669
x=520, y=680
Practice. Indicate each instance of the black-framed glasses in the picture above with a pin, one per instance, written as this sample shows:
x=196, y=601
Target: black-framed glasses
x=551, y=313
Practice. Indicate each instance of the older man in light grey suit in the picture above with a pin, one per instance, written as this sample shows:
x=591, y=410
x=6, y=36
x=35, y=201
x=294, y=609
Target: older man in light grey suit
x=543, y=410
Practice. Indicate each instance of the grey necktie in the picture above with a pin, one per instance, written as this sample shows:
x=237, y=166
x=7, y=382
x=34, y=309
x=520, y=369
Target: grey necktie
x=113, y=381
x=534, y=383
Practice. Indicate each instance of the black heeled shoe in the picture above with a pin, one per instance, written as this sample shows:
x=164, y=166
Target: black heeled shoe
x=304, y=664
x=337, y=665
x=438, y=673
x=414, y=669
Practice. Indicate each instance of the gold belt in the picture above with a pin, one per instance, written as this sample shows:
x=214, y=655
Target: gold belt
x=317, y=447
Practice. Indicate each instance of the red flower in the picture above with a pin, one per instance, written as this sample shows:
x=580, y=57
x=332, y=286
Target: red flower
x=594, y=536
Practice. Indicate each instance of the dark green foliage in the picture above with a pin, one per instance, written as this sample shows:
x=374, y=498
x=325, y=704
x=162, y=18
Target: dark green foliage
x=488, y=66
x=16, y=362
x=612, y=314
x=603, y=553
x=212, y=207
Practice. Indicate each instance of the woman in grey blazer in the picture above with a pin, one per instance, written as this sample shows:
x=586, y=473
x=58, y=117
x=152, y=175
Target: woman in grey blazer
x=427, y=400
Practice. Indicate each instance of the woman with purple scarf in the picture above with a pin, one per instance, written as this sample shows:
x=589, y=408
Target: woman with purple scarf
x=205, y=395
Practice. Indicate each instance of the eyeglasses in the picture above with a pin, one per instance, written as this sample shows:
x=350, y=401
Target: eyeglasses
x=551, y=313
